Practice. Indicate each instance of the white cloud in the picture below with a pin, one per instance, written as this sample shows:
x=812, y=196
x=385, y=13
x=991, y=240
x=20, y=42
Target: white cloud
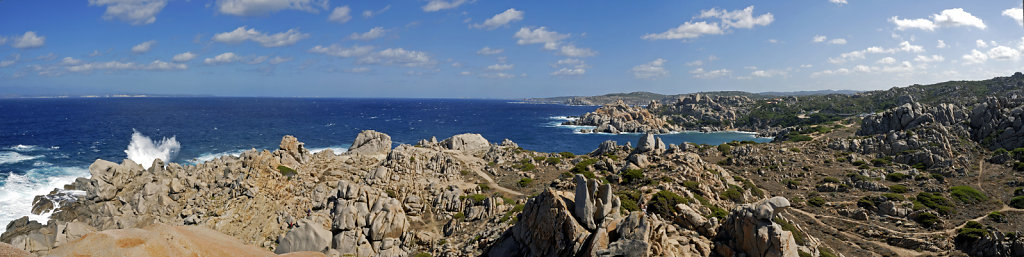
x=501, y=19
x=489, y=51
x=29, y=40
x=465, y=73
x=569, y=67
x=374, y=33
x=541, y=35
x=14, y=58
x=143, y=47
x=941, y=44
x=135, y=12
x=156, y=65
x=838, y=2
x=279, y=60
x=3, y=40
x=1017, y=14
x=955, y=17
x=773, y=41
x=819, y=39
x=687, y=30
x=398, y=56
x=907, y=47
x=695, y=63
x=1003, y=53
x=981, y=43
x=369, y=13
x=274, y=40
x=837, y=41
x=498, y=75
x=228, y=57
x=926, y=59
x=263, y=7
x=437, y=5
x=886, y=60
x=184, y=57
x=652, y=70
x=70, y=61
x=569, y=71
x=358, y=70
x=340, y=14
x=500, y=67
x=700, y=73
x=743, y=19
x=573, y=51
x=975, y=57
x=340, y=51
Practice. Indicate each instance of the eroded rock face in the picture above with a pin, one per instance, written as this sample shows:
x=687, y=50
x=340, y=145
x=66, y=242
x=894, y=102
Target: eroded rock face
x=371, y=142
x=469, y=143
x=306, y=236
x=622, y=118
x=749, y=229
x=161, y=240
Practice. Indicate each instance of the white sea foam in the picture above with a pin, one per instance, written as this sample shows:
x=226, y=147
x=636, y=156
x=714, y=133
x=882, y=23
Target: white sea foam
x=144, y=151
x=210, y=156
x=338, y=149
x=23, y=148
x=15, y=157
x=17, y=191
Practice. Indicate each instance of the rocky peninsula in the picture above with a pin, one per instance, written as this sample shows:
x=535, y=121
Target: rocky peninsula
x=934, y=174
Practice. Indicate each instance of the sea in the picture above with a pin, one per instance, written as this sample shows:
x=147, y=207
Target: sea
x=47, y=143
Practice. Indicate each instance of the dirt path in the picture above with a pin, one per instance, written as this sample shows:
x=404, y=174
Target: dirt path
x=981, y=169
x=898, y=250
x=482, y=174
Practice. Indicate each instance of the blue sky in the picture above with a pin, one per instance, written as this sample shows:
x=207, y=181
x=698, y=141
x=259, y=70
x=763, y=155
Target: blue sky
x=497, y=49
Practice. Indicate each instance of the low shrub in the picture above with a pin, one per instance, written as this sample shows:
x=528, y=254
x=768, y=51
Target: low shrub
x=286, y=171
x=552, y=160
x=567, y=155
x=1017, y=202
x=899, y=189
x=997, y=216
x=816, y=201
x=935, y=202
x=967, y=194
x=632, y=175
x=895, y=177
x=799, y=138
x=628, y=200
x=524, y=182
x=664, y=203
x=970, y=232
x=734, y=194
x=927, y=219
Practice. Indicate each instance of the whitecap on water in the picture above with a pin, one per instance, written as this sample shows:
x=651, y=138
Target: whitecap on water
x=144, y=151
x=210, y=156
x=15, y=157
x=338, y=149
x=17, y=191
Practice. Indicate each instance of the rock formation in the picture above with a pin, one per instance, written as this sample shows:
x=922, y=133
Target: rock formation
x=371, y=142
x=621, y=118
x=750, y=230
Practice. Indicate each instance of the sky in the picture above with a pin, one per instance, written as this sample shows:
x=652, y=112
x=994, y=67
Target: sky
x=497, y=49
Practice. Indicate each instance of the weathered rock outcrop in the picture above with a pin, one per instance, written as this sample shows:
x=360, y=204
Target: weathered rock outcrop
x=750, y=230
x=621, y=118
x=705, y=112
x=469, y=143
x=371, y=142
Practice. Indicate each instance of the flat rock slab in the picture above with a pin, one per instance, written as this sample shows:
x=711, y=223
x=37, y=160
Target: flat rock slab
x=162, y=240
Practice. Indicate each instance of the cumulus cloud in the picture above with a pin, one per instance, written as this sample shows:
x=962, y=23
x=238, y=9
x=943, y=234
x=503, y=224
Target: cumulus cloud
x=143, y=47
x=687, y=30
x=184, y=57
x=573, y=51
x=501, y=19
x=886, y=60
x=273, y=40
x=374, y=33
x=955, y=17
x=1017, y=14
x=279, y=60
x=340, y=14
x=932, y=58
x=340, y=51
x=975, y=57
x=489, y=51
x=370, y=13
x=70, y=61
x=940, y=44
x=398, y=56
x=981, y=43
x=905, y=46
x=223, y=58
x=700, y=73
x=263, y=7
x=29, y=40
x=768, y=73
x=819, y=39
x=541, y=35
x=156, y=65
x=834, y=41
x=438, y=5
x=570, y=67
x=135, y=12
x=500, y=67
x=1003, y=53
x=652, y=70
x=837, y=41
x=741, y=19
x=838, y=2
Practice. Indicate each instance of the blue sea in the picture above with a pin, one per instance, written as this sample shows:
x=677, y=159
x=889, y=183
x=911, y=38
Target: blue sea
x=46, y=143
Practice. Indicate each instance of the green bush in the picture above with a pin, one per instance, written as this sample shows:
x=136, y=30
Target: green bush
x=459, y=216
x=553, y=160
x=581, y=166
x=895, y=177
x=830, y=180
x=628, y=200
x=567, y=155
x=734, y=194
x=970, y=232
x=797, y=235
x=664, y=203
x=997, y=216
x=476, y=198
x=1017, y=202
x=422, y=254
x=799, y=138
x=935, y=202
x=858, y=163
x=816, y=201
x=880, y=162
x=967, y=194
x=286, y=171
x=693, y=186
x=824, y=252
x=484, y=187
x=632, y=175
x=524, y=182
x=899, y=189
x=526, y=165
x=795, y=150
x=894, y=196
x=725, y=148
x=927, y=219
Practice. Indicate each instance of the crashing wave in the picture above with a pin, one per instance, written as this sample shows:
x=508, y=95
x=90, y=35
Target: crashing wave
x=144, y=151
